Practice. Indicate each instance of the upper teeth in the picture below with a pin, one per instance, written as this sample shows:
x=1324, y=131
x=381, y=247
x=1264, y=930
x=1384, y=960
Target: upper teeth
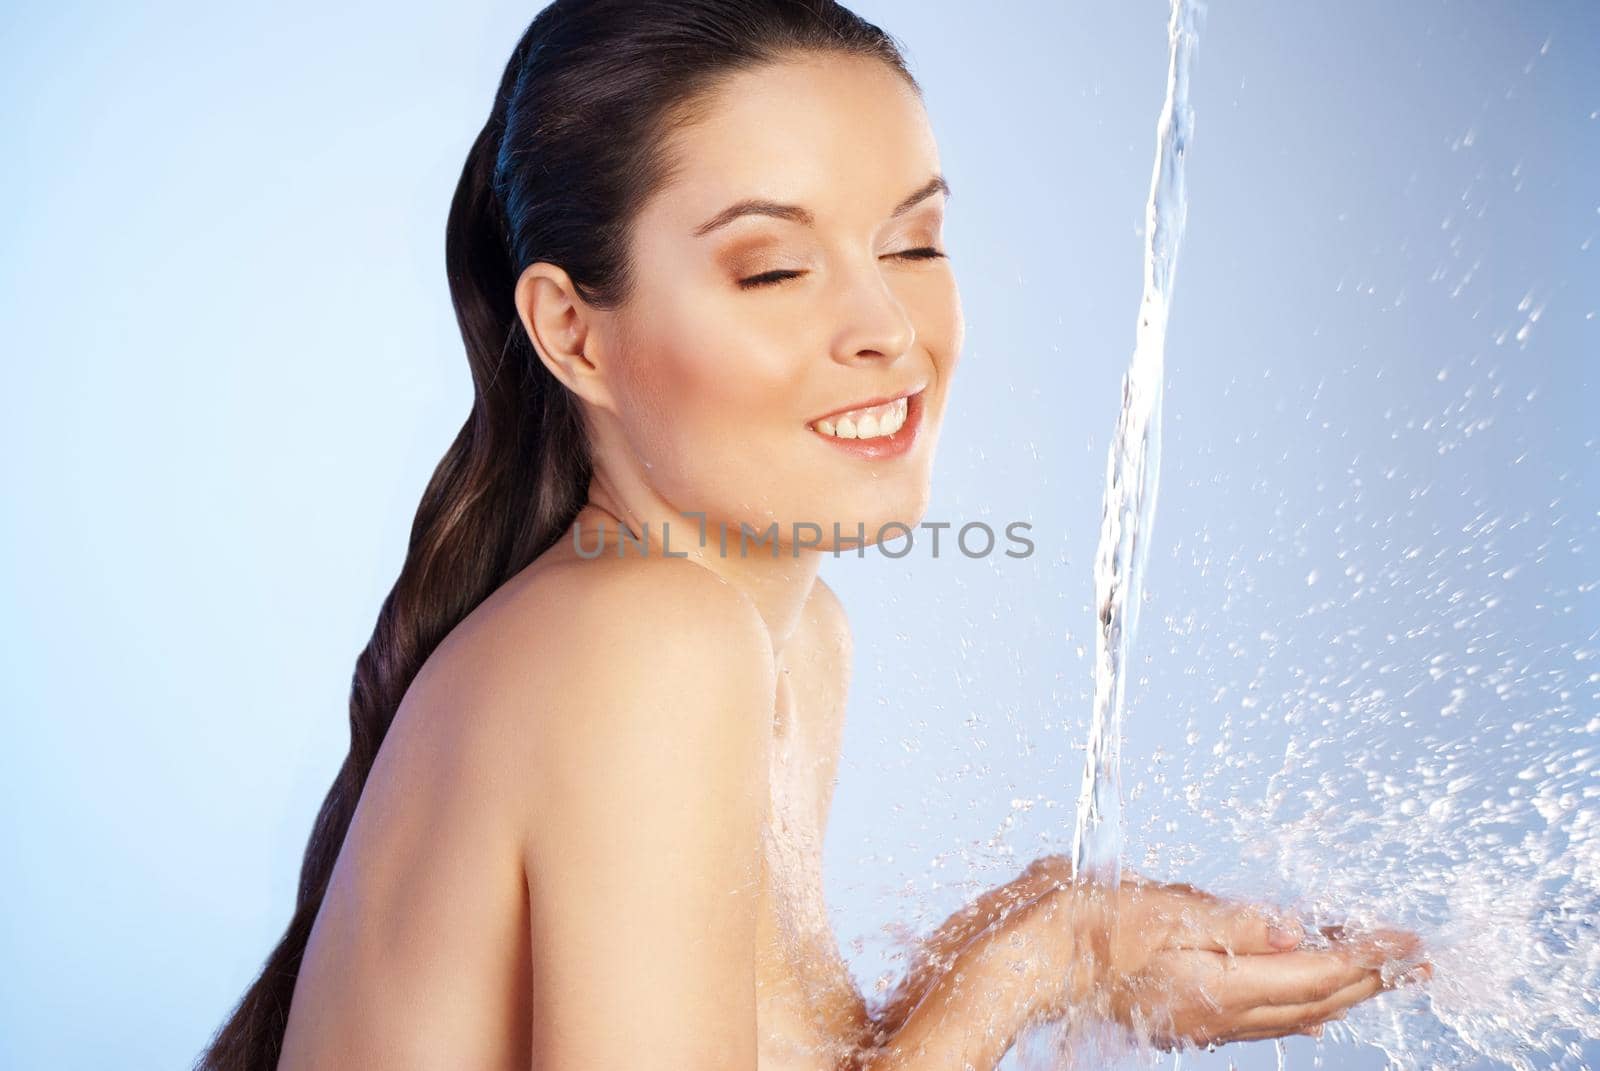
x=873, y=422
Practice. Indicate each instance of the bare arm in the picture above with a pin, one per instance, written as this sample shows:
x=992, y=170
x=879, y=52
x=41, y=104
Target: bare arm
x=969, y=1003
x=642, y=846
x=936, y=953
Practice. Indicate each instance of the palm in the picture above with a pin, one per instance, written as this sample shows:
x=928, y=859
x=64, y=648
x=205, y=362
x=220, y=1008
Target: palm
x=1181, y=965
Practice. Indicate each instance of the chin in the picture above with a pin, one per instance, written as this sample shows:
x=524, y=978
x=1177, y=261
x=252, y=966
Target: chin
x=874, y=517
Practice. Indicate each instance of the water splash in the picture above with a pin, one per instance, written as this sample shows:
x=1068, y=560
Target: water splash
x=1485, y=840
x=1133, y=467
x=1460, y=800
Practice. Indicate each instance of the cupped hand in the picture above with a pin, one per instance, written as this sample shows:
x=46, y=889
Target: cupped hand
x=1183, y=966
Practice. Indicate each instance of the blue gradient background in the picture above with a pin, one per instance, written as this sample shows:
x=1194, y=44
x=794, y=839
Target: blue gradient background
x=231, y=364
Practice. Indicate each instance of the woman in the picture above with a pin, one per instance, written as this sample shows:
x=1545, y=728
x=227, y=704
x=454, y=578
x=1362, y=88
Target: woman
x=696, y=258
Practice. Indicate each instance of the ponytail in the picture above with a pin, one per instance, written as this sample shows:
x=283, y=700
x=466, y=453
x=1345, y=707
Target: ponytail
x=508, y=486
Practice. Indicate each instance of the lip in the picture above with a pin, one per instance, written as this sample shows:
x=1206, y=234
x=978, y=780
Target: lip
x=884, y=446
x=918, y=389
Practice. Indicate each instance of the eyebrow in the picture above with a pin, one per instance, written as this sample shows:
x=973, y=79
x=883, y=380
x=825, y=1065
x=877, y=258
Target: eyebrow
x=757, y=207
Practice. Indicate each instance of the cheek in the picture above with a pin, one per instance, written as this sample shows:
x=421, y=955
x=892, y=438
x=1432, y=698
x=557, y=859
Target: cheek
x=941, y=326
x=705, y=387
x=732, y=355
x=958, y=333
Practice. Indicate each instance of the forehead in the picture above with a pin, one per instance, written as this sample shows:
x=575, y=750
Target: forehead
x=838, y=134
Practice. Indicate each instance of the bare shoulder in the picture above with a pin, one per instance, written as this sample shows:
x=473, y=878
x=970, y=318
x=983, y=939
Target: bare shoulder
x=663, y=600
x=548, y=671
x=645, y=714
x=647, y=671
x=597, y=642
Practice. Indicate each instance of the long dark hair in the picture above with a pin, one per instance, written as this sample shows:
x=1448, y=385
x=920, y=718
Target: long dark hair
x=571, y=150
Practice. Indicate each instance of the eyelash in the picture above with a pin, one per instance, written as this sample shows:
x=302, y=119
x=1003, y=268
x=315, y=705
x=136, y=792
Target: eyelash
x=770, y=278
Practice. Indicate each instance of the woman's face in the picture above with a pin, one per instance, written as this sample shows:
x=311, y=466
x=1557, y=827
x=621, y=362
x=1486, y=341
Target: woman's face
x=718, y=377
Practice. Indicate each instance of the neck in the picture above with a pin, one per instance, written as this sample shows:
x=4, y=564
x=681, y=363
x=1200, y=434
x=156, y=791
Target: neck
x=778, y=584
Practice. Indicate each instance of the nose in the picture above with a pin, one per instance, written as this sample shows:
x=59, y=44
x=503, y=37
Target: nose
x=874, y=327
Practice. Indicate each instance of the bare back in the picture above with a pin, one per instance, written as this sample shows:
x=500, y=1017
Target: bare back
x=422, y=955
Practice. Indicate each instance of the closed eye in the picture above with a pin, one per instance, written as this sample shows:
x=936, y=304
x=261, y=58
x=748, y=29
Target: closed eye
x=770, y=277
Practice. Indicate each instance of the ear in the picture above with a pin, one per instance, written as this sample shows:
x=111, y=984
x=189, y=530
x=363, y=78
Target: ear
x=560, y=325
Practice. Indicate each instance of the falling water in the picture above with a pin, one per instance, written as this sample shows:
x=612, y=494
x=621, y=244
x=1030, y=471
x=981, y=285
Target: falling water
x=1474, y=821
x=1132, y=469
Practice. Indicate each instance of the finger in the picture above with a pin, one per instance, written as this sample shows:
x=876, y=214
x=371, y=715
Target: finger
x=1252, y=1035
x=1375, y=946
x=1422, y=972
x=1283, y=978
x=1213, y=1035
x=1265, y=1035
x=1391, y=951
x=1294, y=1018
x=1387, y=939
x=1259, y=1024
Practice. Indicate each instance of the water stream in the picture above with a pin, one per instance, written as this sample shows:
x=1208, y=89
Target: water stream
x=1133, y=468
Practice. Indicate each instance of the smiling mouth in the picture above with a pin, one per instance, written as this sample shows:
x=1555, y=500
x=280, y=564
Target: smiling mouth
x=879, y=421
x=880, y=432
